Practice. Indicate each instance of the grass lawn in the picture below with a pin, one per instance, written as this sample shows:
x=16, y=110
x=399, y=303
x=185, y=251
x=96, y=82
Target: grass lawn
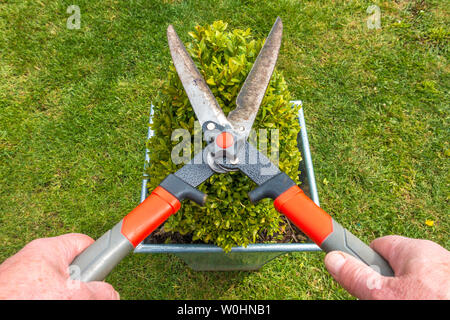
x=74, y=109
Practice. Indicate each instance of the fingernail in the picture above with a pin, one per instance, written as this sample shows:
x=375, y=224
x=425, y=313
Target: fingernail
x=334, y=262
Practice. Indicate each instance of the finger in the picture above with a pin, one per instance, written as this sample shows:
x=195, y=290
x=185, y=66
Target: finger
x=400, y=250
x=61, y=249
x=68, y=246
x=102, y=291
x=397, y=244
x=356, y=277
x=392, y=249
x=397, y=250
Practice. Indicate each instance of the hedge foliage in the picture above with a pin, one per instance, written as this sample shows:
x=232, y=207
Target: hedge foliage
x=224, y=58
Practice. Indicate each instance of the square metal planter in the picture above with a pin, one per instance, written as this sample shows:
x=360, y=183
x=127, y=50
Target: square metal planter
x=206, y=257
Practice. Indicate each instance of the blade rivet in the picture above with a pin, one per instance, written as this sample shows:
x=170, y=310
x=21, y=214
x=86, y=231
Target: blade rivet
x=242, y=128
x=224, y=140
x=210, y=126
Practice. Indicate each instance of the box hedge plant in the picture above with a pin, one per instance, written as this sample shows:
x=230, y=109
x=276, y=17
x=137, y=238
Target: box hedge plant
x=224, y=58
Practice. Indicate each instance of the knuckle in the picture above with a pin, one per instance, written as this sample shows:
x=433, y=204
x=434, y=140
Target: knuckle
x=36, y=243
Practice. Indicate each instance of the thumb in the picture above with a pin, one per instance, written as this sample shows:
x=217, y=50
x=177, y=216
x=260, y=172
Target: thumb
x=102, y=291
x=356, y=277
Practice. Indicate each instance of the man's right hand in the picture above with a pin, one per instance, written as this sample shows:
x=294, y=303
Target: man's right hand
x=422, y=270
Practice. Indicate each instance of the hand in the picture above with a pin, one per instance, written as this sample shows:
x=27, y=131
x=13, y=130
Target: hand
x=41, y=271
x=422, y=270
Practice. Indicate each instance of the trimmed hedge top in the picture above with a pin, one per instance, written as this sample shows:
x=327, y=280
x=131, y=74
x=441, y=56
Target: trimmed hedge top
x=224, y=58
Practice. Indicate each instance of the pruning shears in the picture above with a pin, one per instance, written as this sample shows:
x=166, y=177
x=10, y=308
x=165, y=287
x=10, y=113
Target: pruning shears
x=227, y=150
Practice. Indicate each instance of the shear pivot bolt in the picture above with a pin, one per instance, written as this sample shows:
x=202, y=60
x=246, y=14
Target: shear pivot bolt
x=225, y=140
x=210, y=126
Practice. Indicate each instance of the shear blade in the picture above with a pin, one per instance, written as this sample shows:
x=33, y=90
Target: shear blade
x=255, y=86
x=202, y=99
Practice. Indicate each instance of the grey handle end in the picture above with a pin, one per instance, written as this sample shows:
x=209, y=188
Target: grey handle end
x=97, y=260
x=343, y=240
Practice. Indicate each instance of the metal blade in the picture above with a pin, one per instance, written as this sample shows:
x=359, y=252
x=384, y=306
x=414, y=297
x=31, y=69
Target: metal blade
x=255, y=86
x=202, y=99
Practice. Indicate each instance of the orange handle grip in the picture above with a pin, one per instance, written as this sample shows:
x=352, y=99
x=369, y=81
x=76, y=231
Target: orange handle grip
x=149, y=215
x=305, y=214
x=324, y=231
